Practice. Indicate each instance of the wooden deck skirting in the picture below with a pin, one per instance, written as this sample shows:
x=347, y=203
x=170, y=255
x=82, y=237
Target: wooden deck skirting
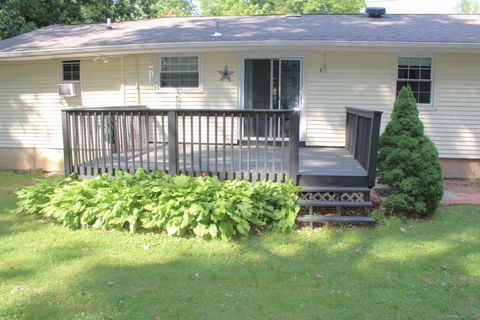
x=250, y=144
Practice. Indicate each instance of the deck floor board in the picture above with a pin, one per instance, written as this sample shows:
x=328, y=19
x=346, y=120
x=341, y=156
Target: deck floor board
x=314, y=161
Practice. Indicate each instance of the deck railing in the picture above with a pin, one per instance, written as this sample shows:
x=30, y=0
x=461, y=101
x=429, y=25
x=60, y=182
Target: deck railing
x=362, y=138
x=251, y=144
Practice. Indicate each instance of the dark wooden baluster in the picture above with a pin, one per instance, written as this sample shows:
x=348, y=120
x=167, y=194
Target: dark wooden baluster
x=132, y=128
x=147, y=138
x=208, y=145
x=164, y=146
x=265, y=169
x=257, y=131
x=155, y=141
x=184, y=144
x=282, y=131
x=76, y=144
x=232, y=154
x=192, y=149
x=96, y=153
x=224, y=146
x=104, y=142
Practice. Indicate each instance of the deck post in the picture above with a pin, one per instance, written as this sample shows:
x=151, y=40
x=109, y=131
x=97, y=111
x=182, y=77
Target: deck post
x=172, y=143
x=67, y=161
x=374, y=145
x=293, y=148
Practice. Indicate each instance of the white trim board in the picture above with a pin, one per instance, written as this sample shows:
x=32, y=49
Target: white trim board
x=272, y=45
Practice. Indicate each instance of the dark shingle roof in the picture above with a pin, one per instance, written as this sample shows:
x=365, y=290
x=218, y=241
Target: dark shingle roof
x=459, y=29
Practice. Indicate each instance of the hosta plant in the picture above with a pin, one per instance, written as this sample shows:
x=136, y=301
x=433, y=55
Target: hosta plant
x=178, y=205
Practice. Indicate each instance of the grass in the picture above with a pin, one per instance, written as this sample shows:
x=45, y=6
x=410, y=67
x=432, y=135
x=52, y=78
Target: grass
x=399, y=270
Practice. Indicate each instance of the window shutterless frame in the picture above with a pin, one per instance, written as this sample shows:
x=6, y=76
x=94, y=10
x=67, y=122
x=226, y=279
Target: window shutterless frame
x=432, y=80
x=71, y=71
x=169, y=89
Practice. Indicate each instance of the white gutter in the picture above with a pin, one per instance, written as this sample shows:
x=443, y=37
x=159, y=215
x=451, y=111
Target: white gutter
x=240, y=45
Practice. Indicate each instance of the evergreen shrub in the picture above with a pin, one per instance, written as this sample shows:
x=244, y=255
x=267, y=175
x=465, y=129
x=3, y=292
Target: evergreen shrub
x=408, y=162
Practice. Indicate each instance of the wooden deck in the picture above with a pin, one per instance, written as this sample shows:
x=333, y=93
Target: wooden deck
x=206, y=142
x=321, y=161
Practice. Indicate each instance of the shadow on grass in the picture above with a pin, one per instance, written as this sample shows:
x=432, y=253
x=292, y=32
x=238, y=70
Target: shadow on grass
x=345, y=274
x=428, y=271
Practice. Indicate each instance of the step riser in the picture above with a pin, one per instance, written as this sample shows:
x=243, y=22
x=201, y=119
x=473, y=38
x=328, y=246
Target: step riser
x=337, y=219
x=334, y=204
x=333, y=181
x=339, y=197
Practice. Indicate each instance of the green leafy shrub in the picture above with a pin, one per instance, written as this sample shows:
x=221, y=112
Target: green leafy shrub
x=32, y=200
x=179, y=205
x=408, y=161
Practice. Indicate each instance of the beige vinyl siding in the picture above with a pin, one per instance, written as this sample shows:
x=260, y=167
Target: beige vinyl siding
x=454, y=123
x=367, y=80
x=30, y=106
x=361, y=80
x=215, y=94
x=102, y=82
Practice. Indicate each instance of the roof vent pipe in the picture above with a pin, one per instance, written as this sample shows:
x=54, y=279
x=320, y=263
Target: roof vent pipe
x=217, y=32
x=375, y=12
x=109, y=24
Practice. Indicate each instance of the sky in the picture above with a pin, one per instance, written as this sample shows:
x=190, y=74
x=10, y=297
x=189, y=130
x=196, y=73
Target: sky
x=415, y=6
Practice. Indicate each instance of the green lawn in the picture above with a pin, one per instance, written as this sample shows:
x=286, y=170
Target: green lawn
x=410, y=270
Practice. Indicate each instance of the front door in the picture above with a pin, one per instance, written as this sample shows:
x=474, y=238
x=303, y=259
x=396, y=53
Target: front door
x=271, y=84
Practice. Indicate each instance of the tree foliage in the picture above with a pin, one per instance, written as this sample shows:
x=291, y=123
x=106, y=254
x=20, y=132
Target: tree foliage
x=19, y=16
x=259, y=7
x=468, y=6
x=408, y=161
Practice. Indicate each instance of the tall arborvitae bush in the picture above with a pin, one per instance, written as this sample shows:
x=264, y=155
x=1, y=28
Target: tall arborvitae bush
x=408, y=162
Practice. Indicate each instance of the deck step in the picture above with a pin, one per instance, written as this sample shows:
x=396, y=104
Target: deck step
x=334, y=204
x=334, y=189
x=337, y=219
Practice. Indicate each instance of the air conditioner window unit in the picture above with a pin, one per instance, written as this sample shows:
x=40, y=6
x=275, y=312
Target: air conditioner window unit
x=68, y=89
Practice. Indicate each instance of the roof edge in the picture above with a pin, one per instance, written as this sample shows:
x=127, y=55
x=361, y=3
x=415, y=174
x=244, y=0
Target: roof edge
x=236, y=45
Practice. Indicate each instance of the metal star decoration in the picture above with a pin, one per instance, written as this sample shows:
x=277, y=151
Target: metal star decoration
x=225, y=74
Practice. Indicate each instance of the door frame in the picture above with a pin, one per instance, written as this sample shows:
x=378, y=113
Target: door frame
x=273, y=55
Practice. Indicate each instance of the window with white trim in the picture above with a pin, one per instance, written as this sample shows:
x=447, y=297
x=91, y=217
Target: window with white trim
x=417, y=73
x=179, y=72
x=71, y=70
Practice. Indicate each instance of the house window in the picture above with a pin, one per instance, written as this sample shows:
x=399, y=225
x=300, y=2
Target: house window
x=179, y=72
x=417, y=73
x=71, y=70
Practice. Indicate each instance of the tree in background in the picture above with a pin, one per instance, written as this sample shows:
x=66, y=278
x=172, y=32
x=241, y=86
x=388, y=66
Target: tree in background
x=255, y=7
x=121, y=10
x=468, y=7
x=408, y=161
x=19, y=16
